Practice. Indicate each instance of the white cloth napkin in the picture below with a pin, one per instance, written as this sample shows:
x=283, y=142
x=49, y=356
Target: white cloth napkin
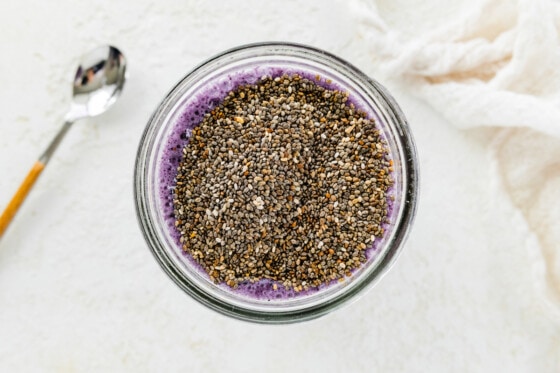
x=488, y=63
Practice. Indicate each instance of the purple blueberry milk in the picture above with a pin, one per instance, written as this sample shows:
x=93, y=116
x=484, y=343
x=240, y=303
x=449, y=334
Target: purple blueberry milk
x=191, y=115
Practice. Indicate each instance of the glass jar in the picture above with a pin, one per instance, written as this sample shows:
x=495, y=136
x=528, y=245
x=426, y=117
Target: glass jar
x=153, y=154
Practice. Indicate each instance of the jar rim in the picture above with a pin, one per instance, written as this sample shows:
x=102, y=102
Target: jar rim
x=410, y=184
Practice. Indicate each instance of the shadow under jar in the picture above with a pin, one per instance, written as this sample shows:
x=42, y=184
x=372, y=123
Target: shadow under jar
x=169, y=130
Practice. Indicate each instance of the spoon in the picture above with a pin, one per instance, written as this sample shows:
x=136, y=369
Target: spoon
x=98, y=83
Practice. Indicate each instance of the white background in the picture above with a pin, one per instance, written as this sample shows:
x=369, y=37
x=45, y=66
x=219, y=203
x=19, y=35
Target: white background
x=79, y=290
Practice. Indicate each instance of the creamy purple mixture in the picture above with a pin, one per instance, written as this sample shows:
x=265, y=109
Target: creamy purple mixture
x=194, y=110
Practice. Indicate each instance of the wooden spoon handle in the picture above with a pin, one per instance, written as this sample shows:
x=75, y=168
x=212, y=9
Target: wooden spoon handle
x=32, y=176
x=20, y=195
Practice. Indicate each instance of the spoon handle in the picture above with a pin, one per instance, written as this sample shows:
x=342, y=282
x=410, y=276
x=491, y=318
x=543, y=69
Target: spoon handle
x=20, y=195
x=30, y=179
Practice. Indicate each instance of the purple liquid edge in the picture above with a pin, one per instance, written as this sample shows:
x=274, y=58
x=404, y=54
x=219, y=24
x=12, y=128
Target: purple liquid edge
x=191, y=115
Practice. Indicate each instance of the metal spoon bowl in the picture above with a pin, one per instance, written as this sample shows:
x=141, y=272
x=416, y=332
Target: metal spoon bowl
x=98, y=83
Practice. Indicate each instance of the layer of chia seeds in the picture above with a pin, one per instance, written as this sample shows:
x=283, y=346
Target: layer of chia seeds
x=192, y=115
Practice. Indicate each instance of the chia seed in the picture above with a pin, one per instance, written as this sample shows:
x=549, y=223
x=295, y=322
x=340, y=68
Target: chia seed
x=283, y=180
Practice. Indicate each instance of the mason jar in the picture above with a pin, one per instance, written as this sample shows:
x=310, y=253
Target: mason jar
x=160, y=152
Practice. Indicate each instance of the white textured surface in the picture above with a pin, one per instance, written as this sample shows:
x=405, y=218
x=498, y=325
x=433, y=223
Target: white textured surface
x=79, y=290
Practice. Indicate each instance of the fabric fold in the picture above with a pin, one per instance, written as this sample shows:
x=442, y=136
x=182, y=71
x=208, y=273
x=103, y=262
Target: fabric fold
x=488, y=63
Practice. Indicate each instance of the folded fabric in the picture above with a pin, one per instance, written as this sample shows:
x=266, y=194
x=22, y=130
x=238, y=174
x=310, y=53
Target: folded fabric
x=487, y=63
